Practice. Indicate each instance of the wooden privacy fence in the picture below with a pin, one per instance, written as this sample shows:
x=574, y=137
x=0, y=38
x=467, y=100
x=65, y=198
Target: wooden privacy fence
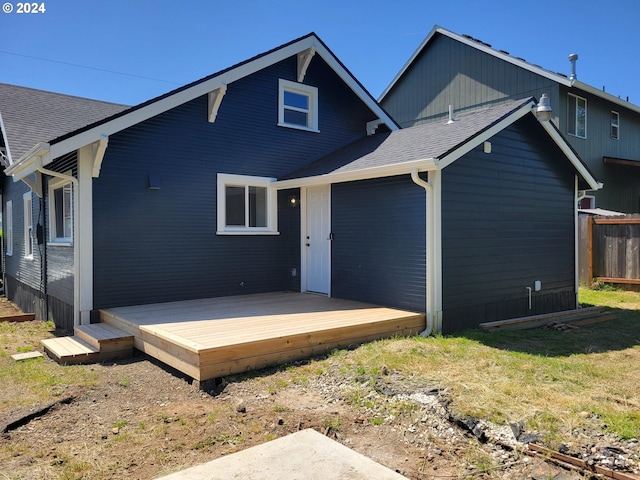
x=609, y=250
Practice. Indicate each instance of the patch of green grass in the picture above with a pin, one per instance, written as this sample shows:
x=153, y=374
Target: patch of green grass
x=377, y=420
x=542, y=377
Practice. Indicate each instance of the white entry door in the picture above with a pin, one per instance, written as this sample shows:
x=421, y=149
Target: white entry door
x=317, y=242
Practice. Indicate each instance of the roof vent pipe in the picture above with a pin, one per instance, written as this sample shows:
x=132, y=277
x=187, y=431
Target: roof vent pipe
x=573, y=58
x=451, y=119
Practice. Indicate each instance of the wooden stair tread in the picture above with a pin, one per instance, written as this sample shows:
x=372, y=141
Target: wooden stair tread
x=105, y=337
x=68, y=347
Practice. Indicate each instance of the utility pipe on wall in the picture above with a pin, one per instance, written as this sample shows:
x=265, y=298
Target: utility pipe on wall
x=428, y=249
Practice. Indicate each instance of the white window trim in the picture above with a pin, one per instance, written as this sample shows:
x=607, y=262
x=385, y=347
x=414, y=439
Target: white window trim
x=575, y=115
x=308, y=90
x=616, y=125
x=224, y=180
x=9, y=229
x=55, y=240
x=27, y=202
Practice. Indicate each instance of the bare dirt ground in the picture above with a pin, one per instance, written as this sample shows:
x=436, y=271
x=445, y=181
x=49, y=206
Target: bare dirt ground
x=143, y=420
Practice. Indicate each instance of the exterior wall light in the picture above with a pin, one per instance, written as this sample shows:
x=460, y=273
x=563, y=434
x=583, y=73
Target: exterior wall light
x=543, y=110
x=293, y=201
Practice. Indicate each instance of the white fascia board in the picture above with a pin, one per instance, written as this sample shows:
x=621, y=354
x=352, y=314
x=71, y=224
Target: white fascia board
x=478, y=46
x=423, y=165
x=486, y=135
x=605, y=96
x=3, y=132
x=27, y=165
x=355, y=86
x=573, y=158
x=136, y=116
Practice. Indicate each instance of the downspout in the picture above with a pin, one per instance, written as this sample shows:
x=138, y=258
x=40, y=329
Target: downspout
x=428, y=261
x=76, y=236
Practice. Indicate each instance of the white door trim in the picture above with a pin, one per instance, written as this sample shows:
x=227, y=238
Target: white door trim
x=304, y=223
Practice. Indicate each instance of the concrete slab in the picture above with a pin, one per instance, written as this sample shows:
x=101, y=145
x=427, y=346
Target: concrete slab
x=304, y=455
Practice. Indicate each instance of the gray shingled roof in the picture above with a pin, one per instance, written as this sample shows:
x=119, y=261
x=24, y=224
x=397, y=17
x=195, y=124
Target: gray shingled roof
x=430, y=140
x=31, y=116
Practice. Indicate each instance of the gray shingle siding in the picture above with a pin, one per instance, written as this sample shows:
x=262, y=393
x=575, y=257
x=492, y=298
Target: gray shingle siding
x=507, y=221
x=152, y=246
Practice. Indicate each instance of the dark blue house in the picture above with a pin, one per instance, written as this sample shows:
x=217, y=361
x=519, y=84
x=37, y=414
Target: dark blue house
x=283, y=173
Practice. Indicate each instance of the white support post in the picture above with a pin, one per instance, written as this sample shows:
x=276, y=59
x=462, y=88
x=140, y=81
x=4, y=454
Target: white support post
x=84, y=235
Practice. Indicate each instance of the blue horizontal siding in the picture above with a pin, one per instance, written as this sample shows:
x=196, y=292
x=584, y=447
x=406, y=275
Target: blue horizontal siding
x=507, y=221
x=153, y=246
x=378, y=251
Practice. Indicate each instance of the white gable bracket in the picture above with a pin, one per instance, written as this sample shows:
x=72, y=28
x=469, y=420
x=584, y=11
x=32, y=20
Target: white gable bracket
x=304, y=59
x=98, y=148
x=373, y=125
x=215, y=99
x=35, y=186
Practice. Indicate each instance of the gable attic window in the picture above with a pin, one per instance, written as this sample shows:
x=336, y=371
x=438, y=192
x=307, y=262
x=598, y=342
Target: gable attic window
x=246, y=205
x=297, y=106
x=61, y=212
x=577, y=116
x=615, y=125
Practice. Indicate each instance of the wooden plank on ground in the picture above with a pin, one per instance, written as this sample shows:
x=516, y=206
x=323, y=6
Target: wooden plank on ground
x=25, y=356
x=22, y=317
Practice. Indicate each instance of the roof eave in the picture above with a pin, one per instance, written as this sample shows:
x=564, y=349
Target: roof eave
x=26, y=165
x=465, y=147
x=580, y=167
x=478, y=46
x=422, y=165
x=73, y=141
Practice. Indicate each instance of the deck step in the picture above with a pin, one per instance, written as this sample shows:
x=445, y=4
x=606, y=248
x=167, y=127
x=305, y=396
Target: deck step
x=105, y=337
x=70, y=350
x=90, y=344
x=535, y=321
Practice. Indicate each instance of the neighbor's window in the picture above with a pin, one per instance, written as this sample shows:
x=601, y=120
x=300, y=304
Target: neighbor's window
x=8, y=225
x=61, y=211
x=246, y=205
x=28, y=224
x=297, y=105
x=615, y=125
x=577, y=116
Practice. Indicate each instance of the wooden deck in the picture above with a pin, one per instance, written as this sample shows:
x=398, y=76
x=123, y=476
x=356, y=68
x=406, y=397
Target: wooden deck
x=210, y=338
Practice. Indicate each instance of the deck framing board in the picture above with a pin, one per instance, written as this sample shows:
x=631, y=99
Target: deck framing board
x=209, y=338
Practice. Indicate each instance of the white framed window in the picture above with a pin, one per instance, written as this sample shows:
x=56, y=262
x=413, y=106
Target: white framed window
x=8, y=225
x=297, y=106
x=246, y=205
x=61, y=212
x=577, y=116
x=615, y=125
x=27, y=201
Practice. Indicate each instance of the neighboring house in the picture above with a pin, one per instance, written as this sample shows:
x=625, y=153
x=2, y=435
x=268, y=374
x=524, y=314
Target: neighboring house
x=458, y=70
x=283, y=173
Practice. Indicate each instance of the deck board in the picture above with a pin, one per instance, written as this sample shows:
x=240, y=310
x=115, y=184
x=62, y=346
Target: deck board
x=208, y=338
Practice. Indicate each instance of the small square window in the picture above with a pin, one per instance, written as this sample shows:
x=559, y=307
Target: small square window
x=61, y=211
x=297, y=106
x=246, y=205
x=615, y=125
x=577, y=116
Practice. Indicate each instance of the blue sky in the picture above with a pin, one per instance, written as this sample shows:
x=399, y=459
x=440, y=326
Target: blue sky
x=171, y=42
